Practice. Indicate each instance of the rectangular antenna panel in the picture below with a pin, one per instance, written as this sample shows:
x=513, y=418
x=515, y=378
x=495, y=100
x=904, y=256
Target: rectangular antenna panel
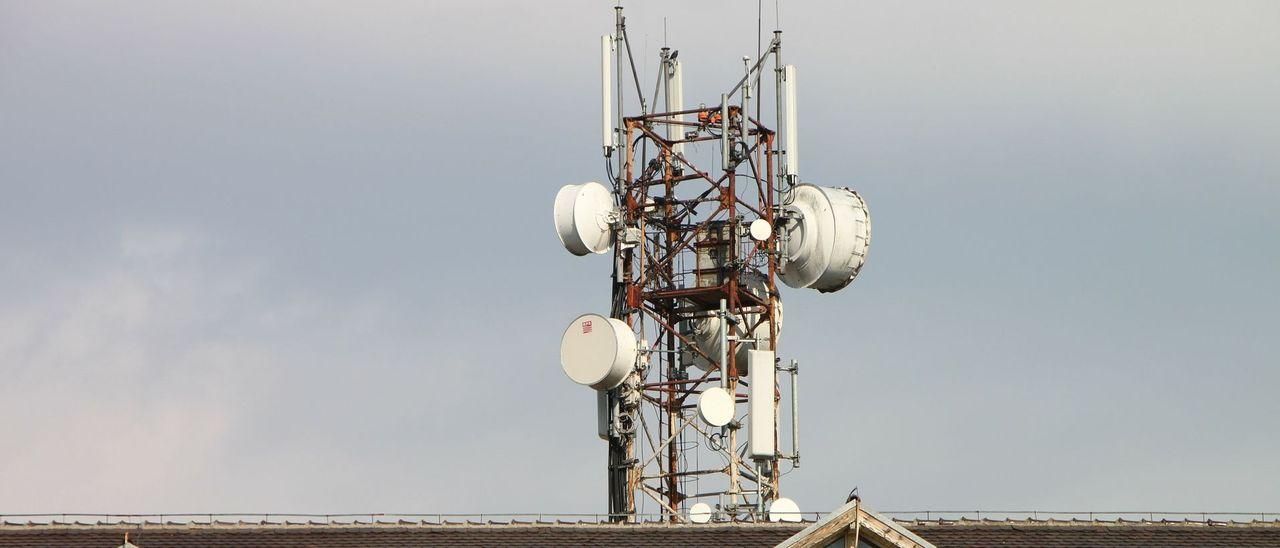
x=789, y=102
x=761, y=405
x=675, y=103
x=606, y=104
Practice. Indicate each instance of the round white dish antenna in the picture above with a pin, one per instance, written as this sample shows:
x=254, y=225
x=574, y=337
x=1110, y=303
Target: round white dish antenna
x=715, y=406
x=597, y=351
x=784, y=509
x=700, y=513
x=584, y=215
x=827, y=238
x=706, y=331
x=760, y=230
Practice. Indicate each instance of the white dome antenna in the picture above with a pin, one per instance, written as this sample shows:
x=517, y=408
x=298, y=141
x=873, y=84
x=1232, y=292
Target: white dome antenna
x=700, y=513
x=716, y=406
x=784, y=509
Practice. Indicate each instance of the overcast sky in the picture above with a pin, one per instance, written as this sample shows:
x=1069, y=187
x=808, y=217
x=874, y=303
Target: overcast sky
x=298, y=257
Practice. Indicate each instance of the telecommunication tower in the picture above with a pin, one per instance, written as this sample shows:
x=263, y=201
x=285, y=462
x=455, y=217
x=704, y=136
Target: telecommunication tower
x=704, y=211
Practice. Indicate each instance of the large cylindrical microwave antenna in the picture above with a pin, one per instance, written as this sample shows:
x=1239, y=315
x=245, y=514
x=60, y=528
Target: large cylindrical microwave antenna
x=790, y=140
x=675, y=103
x=606, y=104
x=828, y=234
x=584, y=216
x=598, y=352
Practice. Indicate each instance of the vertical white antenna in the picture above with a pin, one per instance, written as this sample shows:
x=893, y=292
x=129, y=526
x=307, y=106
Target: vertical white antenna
x=760, y=404
x=606, y=105
x=792, y=148
x=675, y=103
x=724, y=131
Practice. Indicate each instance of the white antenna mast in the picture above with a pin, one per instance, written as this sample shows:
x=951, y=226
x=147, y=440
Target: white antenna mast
x=791, y=137
x=675, y=103
x=606, y=102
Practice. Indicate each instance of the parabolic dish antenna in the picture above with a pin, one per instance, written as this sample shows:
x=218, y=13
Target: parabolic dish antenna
x=700, y=513
x=597, y=351
x=750, y=325
x=584, y=214
x=715, y=406
x=827, y=239
x=760, y=230
x=784, y=509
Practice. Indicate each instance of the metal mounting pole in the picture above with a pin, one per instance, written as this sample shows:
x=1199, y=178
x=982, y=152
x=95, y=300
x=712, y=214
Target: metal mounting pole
x=795, y=413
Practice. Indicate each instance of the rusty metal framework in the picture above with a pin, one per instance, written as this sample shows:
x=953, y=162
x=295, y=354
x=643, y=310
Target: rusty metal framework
x=688, y=183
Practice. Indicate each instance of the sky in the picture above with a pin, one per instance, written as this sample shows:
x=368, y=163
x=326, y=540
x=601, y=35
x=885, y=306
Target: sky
x=298, y=257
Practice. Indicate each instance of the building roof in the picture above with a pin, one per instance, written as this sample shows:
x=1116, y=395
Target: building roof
x=394, y=536
x=1097, y=534
x=943, y=534
x=855, y=525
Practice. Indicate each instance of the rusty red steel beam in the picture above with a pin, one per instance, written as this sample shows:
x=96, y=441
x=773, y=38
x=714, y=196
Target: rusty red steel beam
x=685, y=243
x=680, y=381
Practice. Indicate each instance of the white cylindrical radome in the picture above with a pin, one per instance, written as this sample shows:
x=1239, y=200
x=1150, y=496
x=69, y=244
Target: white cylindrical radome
x=827, y=237
x=597, y=351
x=852, y=241
x=762, y=410
x=606, y=91
x=675, y=103
x=790, y=137
x=583, y=215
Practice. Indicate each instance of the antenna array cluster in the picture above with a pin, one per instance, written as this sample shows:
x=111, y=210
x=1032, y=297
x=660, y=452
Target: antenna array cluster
x=685, y=363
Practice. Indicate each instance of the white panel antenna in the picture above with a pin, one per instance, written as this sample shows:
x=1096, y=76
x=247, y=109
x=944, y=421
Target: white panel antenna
x=675, y=103
x=791, y=136
x=606, y=91
x=761, y=405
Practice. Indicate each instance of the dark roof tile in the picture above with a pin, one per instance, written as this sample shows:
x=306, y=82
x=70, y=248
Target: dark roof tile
x=944, y=534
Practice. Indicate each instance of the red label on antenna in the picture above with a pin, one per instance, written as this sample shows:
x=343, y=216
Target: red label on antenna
x=586, y=327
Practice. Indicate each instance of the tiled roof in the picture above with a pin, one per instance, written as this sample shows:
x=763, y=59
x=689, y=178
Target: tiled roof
x=1097, y=534
x=403, y=534
x=395, y=536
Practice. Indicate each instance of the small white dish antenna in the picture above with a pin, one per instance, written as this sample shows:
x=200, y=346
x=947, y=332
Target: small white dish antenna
x=784, y=509
x=584, y=216
x=760, y=230
x=715, y=406
x=700, y=513
x=827, y=238
x=597, y=351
